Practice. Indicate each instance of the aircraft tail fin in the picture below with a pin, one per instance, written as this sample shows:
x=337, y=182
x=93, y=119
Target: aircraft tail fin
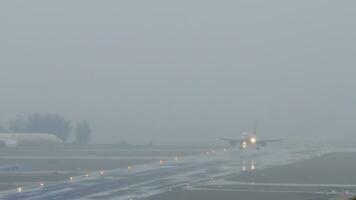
x=255, y=127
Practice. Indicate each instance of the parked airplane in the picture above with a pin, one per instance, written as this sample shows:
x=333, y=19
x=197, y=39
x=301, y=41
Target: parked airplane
x=16, y=139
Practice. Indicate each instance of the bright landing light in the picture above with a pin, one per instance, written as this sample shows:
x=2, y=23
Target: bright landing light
x=253, y=140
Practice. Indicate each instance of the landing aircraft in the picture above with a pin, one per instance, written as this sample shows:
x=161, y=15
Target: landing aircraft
x=249, y=139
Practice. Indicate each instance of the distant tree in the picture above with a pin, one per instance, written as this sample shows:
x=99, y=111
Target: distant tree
x=38, y=123
x=18, y=125
x=83, y=132
x=3, y=130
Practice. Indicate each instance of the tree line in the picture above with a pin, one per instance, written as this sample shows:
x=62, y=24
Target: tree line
x=49, y=123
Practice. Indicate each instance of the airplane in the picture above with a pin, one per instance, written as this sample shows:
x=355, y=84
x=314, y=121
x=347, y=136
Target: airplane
x=18, y=139
x=248, y=139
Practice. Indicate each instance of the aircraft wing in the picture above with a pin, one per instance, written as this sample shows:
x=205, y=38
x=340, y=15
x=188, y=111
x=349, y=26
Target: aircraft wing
x=232, y=142
x=269, y=141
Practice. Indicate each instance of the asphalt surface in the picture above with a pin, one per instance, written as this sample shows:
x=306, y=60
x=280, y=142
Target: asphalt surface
x=205, y=177
x=156, y=178
x=315, y=178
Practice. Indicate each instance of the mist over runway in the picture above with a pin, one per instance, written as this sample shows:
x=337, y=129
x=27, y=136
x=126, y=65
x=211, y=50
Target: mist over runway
x=160, y=100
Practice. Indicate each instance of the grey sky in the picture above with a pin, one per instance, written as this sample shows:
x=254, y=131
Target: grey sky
x=167, y=70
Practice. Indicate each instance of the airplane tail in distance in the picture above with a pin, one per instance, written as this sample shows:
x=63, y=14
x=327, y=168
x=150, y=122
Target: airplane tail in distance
x=255, y=124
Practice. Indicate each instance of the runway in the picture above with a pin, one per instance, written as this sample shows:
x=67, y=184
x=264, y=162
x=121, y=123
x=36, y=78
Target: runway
x=196, y=177
x=325, y=189
x=163, y=178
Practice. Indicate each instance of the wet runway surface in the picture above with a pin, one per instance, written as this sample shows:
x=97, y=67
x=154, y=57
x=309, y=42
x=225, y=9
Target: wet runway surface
x=272, y=174
x=111, y=185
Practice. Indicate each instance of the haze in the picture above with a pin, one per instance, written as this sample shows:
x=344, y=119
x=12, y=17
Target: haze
x=158, y=70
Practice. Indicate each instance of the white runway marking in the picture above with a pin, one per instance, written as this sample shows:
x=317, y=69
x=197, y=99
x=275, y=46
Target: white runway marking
x=295, y=184
x=272, y=191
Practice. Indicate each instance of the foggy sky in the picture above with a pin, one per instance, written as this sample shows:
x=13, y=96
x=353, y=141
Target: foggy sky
x=166, y=70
